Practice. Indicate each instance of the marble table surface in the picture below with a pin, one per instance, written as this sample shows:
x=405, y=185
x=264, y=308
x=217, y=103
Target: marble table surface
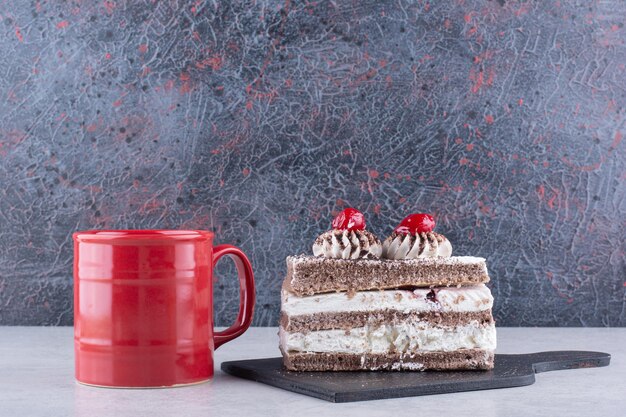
x=36, y=379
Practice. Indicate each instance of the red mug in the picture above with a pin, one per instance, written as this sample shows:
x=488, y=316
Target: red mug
x=143, y=306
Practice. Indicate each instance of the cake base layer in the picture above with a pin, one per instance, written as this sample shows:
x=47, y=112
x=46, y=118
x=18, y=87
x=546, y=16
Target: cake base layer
x=464, y=359
x=308, y=275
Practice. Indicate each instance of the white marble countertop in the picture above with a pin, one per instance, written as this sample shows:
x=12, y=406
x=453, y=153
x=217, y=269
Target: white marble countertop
x=36, y=379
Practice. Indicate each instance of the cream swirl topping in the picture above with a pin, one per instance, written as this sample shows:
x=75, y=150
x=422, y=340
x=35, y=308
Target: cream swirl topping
x=422, y=245
x=347, y=244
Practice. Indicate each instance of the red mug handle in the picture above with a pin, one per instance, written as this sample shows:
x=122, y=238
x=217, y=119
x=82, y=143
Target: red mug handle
x=246, y=293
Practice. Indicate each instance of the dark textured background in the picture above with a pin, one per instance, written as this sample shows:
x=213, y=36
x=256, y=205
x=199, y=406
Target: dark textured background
x=260, y=120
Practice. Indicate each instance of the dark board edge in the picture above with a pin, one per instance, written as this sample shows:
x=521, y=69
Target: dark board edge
x=567, y=359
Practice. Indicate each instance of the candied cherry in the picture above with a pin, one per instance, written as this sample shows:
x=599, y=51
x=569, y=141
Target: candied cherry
x=349, y=219
x=416, y=223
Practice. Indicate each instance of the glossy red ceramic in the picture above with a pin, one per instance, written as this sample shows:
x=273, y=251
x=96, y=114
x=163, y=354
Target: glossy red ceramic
x=143, y=306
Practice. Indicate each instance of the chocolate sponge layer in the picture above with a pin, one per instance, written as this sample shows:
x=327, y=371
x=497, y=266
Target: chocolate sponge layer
x=349, y=320
x=465, y=359
x=308, y=275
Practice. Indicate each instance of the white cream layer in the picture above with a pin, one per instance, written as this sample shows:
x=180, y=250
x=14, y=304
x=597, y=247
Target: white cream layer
x=464, y=299
x=400, y=338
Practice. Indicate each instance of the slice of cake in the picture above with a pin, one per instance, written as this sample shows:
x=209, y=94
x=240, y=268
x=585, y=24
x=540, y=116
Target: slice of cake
x=416, y=308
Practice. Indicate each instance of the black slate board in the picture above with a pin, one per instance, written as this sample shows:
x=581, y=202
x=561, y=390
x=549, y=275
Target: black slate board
x=341, y=387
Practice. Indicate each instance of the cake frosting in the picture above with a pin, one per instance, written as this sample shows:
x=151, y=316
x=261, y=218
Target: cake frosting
x=347, y=244
x=403, y=337
x=463, y=299
x=419, y=245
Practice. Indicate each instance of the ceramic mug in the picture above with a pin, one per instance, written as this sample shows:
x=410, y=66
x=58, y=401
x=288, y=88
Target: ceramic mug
x=143, y=306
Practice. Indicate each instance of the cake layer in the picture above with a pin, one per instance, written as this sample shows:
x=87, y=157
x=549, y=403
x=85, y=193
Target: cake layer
x=401, y=337
x=349, y=320
x=464, y=299
x=466, y=359
x=308, y=275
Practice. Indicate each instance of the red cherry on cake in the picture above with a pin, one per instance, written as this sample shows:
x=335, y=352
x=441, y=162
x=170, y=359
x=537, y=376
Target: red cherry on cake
x=416, y=223
x=349, y=219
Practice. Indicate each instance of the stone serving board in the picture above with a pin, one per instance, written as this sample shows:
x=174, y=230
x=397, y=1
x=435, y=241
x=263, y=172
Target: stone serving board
x=340, y=387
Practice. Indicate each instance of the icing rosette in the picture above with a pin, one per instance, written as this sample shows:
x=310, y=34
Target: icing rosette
x=421, y=245
x=348, y=239
x=414, y=238
x=347, y=244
